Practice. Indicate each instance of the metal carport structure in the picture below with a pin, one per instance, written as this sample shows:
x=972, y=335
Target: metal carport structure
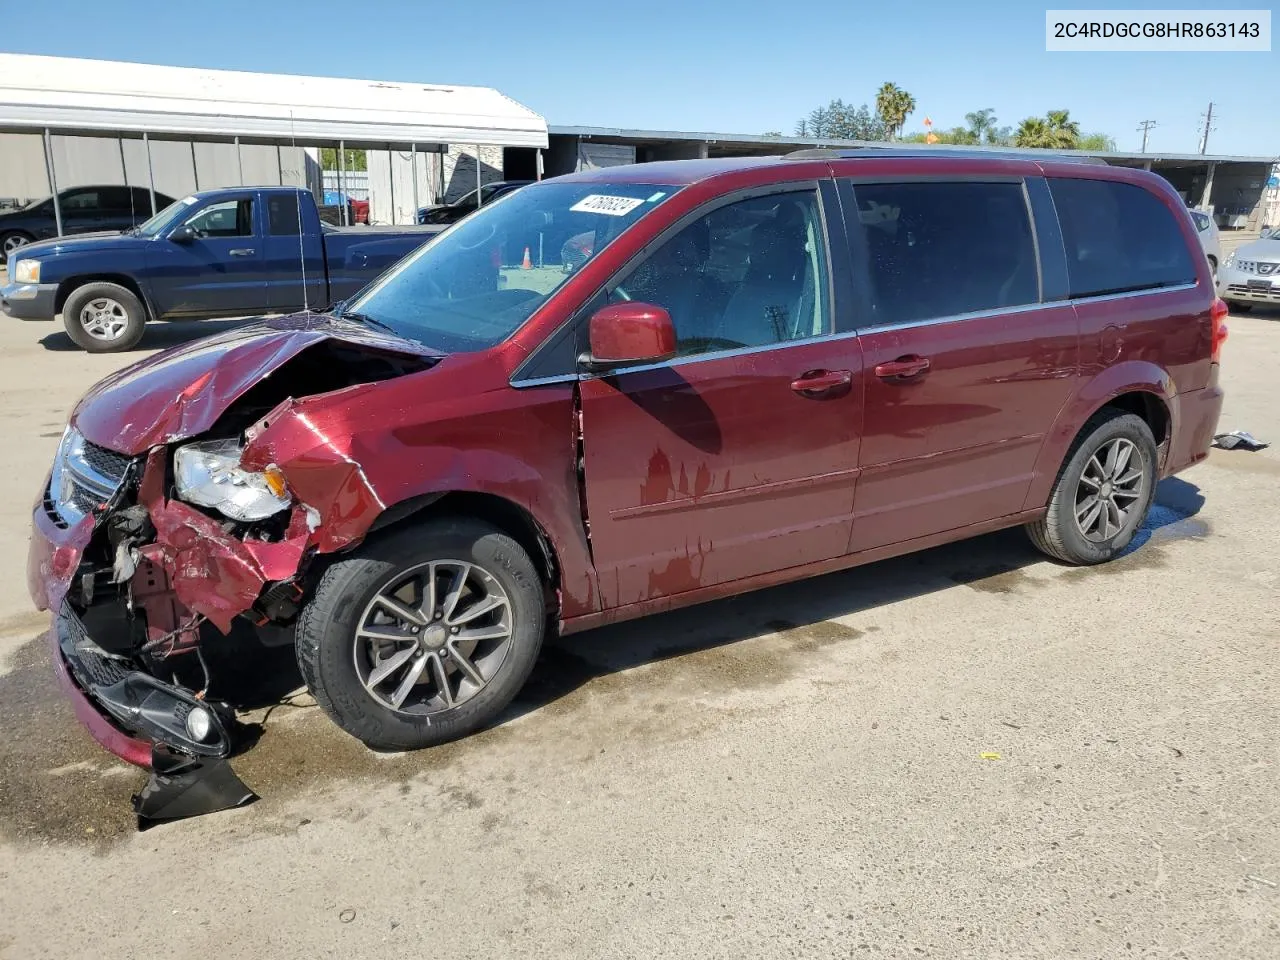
x=56, y=95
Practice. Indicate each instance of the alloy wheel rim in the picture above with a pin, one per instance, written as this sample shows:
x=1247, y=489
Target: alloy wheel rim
x=433, y=637
x=1111, y=485
x=104, y=318
x=13, y=243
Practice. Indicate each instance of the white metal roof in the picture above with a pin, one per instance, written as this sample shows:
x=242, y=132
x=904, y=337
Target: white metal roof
x=67, y=93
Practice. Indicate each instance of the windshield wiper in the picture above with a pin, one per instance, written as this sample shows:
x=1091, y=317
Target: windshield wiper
x=366, y=320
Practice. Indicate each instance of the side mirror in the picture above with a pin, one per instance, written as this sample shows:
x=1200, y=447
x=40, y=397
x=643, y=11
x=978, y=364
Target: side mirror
x=183, y=234
x=629, y=333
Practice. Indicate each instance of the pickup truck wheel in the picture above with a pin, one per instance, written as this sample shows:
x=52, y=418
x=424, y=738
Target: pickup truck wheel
x=1102, y=493
x=104, y=317
x=423, y=636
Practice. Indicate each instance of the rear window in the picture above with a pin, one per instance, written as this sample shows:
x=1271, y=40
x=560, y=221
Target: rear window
x=942, y=249
x=1118, y=238
x=282, y=214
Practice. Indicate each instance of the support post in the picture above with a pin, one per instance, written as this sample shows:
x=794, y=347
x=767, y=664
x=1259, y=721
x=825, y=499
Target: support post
x=239, y=162
x=342, y=177
x=479, y=199
x=1208, y=186
x=539, y=176
x=151, y=175
x=413, y=158
x=53, y=179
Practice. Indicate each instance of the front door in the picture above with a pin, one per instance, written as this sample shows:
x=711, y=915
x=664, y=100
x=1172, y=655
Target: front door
x=739, y=456
x=217, y=272
x=965, y=367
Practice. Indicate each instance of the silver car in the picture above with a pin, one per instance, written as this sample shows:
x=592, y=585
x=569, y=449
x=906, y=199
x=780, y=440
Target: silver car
x=1251, y=275
x=1208, y=232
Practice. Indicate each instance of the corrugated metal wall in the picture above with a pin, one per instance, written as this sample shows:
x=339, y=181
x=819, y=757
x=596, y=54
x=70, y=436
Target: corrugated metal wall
x=179, y=166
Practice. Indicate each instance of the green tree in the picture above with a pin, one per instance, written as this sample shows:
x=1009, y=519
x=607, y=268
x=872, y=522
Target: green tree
x=1054, y=131
x=982, y=125
x=893, y=106
x=352, y=159
x=1097, y=141
x=841, y=121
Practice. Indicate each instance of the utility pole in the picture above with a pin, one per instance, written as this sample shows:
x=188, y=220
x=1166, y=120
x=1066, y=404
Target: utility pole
x=1208, y=126
x=1145, y=126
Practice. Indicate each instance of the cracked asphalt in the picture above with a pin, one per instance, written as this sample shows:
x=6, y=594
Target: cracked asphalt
x=969, y=752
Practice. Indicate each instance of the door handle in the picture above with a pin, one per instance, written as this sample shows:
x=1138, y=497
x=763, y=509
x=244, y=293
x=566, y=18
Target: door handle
x=904, y=368
x=241, y=252
x=821, y=384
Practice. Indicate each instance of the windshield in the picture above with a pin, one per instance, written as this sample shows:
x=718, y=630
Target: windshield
x=165, y=218
x=475, y=283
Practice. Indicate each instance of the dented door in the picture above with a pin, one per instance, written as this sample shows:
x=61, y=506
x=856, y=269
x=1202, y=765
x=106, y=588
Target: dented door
x=715, y=469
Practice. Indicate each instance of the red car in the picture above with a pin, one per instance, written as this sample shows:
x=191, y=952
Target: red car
x=766, y=369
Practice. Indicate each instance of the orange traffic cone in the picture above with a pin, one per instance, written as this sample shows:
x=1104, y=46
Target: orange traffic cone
x=528, y=263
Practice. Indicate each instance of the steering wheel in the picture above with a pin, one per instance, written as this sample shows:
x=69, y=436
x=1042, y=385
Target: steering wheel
x=485, y=238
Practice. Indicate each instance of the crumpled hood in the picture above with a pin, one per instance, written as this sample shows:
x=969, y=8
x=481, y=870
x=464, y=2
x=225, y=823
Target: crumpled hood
x=181, y=392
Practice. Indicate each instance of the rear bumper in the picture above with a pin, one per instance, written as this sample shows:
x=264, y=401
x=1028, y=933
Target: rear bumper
x=30, y=301
x=1195, y=424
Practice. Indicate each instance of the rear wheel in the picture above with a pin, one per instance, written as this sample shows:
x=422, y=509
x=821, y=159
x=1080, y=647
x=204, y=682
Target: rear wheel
x=104, y=317
x=1102, y=493
x=424, y=636
x=12, y=242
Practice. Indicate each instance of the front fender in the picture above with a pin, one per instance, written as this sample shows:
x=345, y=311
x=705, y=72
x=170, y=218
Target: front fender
x=354, y=454
x=1132, y=376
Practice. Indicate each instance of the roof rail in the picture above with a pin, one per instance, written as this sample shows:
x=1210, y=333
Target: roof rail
x=824, y=153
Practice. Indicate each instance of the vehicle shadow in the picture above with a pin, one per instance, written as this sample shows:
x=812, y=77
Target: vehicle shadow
x=157, y=336
x=989, y=563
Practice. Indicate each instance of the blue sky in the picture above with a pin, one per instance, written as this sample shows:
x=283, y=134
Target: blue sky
x=707, y=65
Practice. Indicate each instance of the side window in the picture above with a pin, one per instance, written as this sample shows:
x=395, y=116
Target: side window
x=282, y=214
x=941, y=249
x=231, y=218
x=747, y=274
x=116, y=199
x=81, y=200
x=1118, y=237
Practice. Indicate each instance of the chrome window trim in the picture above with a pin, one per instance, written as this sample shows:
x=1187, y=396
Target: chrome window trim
x=905, y=325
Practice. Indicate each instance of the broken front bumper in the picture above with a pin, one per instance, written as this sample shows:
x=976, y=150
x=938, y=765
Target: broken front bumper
x=126, y=710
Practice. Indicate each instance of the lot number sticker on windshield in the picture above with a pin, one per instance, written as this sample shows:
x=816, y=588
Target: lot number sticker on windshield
x=610, y=206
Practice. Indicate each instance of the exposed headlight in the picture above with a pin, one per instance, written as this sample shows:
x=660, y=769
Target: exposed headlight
x=26, y=271
x=208, y=474
x=1230, y=261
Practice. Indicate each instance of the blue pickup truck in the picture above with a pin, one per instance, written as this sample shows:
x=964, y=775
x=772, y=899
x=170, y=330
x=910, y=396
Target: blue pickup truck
x=218, y=253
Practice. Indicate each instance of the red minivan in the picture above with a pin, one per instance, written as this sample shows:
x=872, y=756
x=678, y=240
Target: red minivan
x=761, y=370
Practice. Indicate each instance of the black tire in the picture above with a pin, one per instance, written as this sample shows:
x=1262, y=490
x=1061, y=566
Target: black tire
x=15, y=238
x=328, y=649
x=1058, y=534
x=121, y=302
x=1239, y=306
x=1213, y=268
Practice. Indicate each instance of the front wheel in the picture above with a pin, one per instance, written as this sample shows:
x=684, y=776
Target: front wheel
x=104, y=317
x=1102, y=493
x=1239, y=306
x=423, y=636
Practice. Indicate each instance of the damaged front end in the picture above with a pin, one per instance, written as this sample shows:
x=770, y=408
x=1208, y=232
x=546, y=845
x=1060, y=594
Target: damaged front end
x=147, y=558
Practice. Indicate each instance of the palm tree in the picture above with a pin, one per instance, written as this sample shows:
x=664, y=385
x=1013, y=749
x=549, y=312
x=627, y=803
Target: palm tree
x=982, y=124
x=893, y=106
x=1065, y=131
x=1033, y=132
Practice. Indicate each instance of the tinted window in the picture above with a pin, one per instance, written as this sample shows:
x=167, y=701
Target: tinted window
x=116, y=199
x=81, y=200
x=1118, y=237
x=282, y=215
x=231, y=218
x=747, y=274
x=940, y=249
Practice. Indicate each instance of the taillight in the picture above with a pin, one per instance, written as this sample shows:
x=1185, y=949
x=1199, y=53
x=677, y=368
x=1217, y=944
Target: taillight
x=1218, y=316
